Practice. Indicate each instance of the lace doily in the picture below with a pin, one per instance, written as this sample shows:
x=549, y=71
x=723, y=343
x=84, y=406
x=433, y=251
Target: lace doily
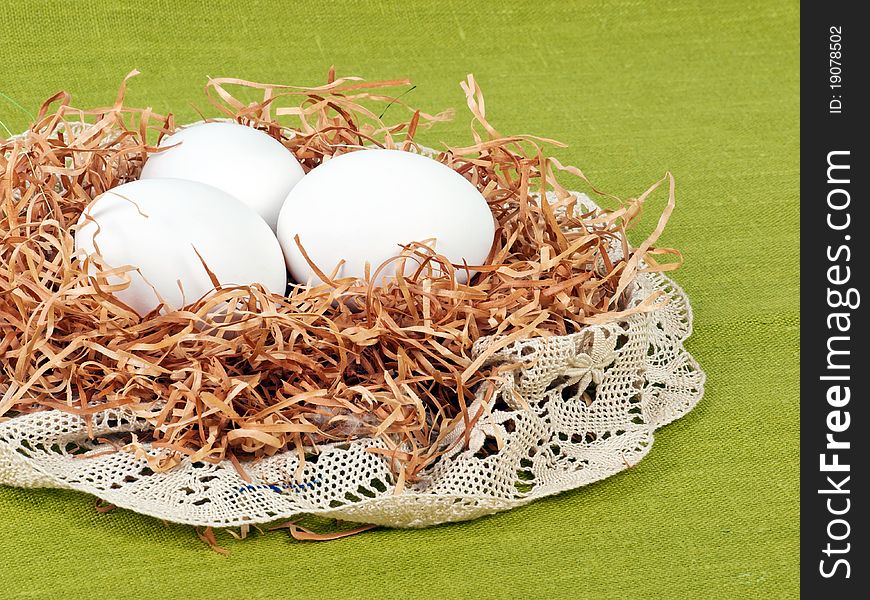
x=585, y=407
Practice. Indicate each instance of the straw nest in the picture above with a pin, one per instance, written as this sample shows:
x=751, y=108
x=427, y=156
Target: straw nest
x=302, y=369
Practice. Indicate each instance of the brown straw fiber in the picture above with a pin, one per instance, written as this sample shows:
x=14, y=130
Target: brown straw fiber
x=334, y=362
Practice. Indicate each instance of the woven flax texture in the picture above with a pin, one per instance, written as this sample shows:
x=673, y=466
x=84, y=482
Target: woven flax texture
x=707, y=90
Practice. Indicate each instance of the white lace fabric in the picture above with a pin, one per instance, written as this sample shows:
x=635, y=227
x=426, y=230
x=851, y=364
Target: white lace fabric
x=585, y=407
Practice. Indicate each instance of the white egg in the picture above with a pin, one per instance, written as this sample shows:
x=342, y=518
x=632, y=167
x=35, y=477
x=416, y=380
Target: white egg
x=242, y=161
x=159, y=225
x=362, y=206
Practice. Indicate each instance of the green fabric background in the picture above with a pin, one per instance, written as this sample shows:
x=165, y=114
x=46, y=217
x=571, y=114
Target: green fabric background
x=707, y=90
